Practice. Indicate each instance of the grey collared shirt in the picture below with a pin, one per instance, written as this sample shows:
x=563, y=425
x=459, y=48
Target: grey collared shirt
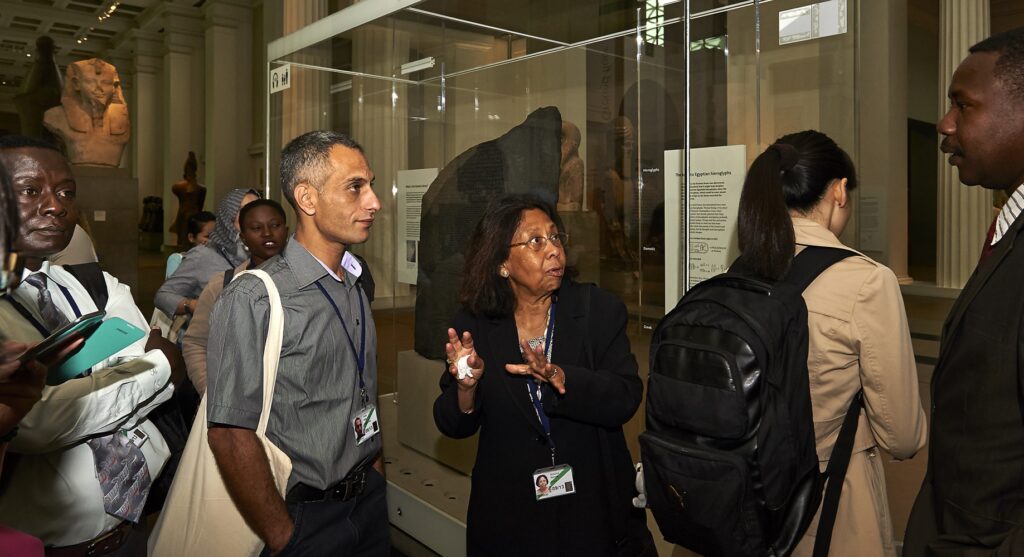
x=317, y=395
x=197, y=267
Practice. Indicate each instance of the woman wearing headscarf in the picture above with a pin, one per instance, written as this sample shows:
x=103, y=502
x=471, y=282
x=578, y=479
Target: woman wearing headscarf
x=541, y=367
x=178, y=294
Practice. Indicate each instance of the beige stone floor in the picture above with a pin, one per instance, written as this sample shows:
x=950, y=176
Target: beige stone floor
x=395, y=326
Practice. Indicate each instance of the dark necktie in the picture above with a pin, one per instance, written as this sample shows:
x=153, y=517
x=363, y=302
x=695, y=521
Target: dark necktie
x=986, y=249
x=52, y=316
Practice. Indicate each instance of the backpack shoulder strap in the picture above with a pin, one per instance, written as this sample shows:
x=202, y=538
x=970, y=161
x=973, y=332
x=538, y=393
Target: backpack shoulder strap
x=228, y=275
x=811, y=262
x=836, y=476
x=91, y=277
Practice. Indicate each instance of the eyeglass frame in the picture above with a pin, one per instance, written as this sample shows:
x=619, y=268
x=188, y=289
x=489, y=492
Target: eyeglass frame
x=560, y=239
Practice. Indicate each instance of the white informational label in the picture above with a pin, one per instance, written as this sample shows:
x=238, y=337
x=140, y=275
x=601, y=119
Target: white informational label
x=869, y=221
x=823, y=19
x=280, y=78
x=716, y=180
x=412, y=184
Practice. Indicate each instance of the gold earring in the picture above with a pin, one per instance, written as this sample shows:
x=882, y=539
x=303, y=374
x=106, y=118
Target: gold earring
x=504, y=273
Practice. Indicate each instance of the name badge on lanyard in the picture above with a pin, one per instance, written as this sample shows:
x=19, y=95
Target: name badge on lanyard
x=365, y=424
x=555, y=480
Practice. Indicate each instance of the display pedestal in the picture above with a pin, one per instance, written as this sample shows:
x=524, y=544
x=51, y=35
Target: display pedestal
x=109, y=200
x=584, y=244
x=417, y=389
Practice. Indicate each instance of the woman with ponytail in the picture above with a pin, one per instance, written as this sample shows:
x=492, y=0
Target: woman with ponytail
x=798, y=194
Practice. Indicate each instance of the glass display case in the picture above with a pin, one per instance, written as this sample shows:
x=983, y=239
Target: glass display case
x=655, y=103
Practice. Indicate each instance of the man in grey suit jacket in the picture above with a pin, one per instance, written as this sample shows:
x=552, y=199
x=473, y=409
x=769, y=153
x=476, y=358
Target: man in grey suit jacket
x=972, y=499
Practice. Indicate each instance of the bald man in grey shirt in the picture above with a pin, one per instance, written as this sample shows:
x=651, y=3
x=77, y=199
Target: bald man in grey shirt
x=323, y=414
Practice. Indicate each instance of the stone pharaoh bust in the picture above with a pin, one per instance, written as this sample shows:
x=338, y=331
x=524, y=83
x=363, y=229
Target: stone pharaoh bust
x=93, y=117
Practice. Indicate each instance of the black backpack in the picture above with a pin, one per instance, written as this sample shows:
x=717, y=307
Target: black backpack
x=729, y=457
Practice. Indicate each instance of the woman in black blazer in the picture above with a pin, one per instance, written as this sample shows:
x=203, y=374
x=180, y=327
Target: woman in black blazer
x=542, y=367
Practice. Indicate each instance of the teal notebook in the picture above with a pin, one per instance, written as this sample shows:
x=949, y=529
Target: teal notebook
x=112, y=336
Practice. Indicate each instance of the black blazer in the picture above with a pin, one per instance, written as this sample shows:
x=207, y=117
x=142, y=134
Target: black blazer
x=603, y=391
x=972, y=499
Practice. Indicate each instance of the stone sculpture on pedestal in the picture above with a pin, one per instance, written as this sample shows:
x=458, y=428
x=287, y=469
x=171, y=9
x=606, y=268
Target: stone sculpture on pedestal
x=92, y=120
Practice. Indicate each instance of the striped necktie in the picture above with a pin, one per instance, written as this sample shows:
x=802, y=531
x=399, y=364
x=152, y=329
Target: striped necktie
x=52, y=316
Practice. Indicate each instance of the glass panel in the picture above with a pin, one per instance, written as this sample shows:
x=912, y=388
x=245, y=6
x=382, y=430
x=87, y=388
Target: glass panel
x=497, y=63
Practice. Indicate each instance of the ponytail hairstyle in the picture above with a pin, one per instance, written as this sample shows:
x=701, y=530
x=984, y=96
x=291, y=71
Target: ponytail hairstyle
x=793, y=174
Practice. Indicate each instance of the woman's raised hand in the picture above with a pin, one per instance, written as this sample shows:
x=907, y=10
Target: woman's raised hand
x=537, y=365
x=457, y=348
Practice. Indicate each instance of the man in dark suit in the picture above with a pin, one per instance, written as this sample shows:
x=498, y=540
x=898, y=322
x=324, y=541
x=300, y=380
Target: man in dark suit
x=972, y=499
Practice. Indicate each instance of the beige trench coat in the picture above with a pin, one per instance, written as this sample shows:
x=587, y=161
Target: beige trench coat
x=859, y=338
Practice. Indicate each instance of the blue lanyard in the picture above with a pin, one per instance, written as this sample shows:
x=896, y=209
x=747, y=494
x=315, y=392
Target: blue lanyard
x=361, y=355
x=32, y=319
x=532, y=386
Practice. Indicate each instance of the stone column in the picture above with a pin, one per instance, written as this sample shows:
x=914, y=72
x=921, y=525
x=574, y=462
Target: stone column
x=144, y=107
x=964, y=213
x=228, y=98
x=182, y=109
x=305, y=106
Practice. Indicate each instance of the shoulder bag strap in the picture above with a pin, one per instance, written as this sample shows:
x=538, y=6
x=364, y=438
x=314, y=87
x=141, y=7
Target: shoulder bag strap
x=272, y=350
x=90, y=275
x=836, y=474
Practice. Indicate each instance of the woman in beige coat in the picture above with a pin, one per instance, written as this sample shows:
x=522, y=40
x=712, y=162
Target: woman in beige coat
x=797, y=194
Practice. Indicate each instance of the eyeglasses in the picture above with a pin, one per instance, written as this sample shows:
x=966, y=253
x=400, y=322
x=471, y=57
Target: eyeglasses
x=538, y=243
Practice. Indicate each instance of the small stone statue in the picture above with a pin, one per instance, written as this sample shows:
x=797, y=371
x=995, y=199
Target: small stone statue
x=40, y=90
x=570, y=181
x=191, y=198
x=93, y=117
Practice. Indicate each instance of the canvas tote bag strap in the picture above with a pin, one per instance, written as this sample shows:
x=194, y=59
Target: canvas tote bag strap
x=272, y=349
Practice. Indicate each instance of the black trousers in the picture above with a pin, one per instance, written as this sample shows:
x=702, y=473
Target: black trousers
x=358, y=526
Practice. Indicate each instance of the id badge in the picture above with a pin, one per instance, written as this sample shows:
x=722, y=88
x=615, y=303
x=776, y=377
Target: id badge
x=553, y=482
x=365, y=425
x=135, y=436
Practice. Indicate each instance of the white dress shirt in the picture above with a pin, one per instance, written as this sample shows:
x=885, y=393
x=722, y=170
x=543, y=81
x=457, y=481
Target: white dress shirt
x=53, y=492
x=1009, y=213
